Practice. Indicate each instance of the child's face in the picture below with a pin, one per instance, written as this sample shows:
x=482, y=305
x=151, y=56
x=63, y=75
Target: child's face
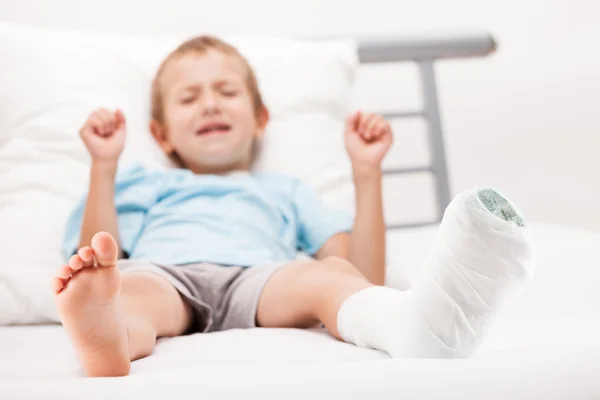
x=210, y=121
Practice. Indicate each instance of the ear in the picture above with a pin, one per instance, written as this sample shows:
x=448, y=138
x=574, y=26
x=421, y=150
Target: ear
x=159, y=131
x=262, y=118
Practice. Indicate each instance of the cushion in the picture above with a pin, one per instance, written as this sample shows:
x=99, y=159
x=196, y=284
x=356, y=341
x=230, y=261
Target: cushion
x=52, y=80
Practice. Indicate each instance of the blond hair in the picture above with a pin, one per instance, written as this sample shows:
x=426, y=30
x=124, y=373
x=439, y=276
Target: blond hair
x=200, y=45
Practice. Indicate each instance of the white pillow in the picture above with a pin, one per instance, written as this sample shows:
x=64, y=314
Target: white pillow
x=51, y=80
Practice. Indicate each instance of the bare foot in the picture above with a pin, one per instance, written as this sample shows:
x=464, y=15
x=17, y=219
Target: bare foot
x=86, y=293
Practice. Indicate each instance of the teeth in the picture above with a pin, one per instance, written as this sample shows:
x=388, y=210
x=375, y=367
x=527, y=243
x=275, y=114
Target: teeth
x=216, y=128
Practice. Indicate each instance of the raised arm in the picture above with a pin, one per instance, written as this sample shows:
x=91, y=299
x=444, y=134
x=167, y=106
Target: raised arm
x=104, y=136
x=368, y=138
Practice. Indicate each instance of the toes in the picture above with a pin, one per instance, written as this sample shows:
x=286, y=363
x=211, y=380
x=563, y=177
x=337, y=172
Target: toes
x=75, y=262
x=62, y=276
x=86, y=254
x=105, y=249
x=57, y=285
x=64, y=272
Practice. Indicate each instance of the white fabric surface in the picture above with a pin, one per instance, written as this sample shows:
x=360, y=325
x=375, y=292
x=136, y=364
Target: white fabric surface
x=51, y=80
x=545, y=345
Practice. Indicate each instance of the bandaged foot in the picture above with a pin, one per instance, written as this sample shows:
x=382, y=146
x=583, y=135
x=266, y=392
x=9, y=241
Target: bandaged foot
x=481, y=257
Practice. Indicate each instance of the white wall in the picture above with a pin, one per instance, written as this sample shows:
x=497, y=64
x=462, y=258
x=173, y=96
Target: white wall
x=525, y=120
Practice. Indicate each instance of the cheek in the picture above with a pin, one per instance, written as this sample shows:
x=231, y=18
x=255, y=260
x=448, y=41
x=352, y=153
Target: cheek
x=178, y=117
x=244, y=113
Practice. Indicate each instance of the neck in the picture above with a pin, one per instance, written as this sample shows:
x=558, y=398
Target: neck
x=200, y=169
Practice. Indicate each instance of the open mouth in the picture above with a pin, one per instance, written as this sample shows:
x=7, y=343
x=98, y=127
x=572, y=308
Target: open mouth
x=213, y=128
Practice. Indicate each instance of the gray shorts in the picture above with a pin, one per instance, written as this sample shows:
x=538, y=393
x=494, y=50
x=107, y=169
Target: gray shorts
x=221, y=297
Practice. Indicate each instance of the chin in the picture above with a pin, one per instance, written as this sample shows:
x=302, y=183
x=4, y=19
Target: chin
x=218, y=160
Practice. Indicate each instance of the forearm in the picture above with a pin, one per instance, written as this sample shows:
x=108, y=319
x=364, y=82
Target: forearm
x=367, y=242
x=100, y=213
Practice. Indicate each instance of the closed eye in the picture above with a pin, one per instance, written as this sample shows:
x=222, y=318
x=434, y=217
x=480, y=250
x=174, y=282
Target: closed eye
x=187, y=100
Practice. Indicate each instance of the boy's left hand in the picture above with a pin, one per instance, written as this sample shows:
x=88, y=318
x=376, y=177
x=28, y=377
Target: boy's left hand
x=368, y=138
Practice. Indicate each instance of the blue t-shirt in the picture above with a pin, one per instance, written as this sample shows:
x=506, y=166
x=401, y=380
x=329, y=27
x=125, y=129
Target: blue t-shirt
x=177, y=217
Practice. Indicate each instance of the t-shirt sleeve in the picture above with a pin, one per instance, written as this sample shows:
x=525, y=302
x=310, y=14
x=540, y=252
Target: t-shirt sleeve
x=316, y=221
x=136, y=191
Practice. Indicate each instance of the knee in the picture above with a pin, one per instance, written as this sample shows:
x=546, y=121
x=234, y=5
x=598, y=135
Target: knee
x=334, y=267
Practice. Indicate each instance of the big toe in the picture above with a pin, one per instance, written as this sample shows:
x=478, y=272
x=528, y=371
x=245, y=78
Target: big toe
x=105, y=248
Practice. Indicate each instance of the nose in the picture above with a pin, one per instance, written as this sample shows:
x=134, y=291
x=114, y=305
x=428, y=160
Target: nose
x=210, y=105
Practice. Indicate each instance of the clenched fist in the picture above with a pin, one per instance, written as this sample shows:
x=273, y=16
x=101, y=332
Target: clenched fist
x=368, y=139
x=104, y=135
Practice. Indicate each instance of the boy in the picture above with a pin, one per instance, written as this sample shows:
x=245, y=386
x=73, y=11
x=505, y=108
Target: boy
x=209, y=246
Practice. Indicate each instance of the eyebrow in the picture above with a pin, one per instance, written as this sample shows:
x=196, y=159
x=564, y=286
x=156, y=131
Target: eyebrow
x=197, y=87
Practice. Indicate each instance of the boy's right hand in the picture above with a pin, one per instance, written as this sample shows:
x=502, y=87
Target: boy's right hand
x=104, y=135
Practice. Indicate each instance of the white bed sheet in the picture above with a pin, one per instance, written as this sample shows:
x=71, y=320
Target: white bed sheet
x=546, y=345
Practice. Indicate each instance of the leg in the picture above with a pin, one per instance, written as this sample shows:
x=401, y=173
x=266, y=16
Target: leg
x=482, y=255
x=304, y=293
x=112, y=320
x=152, y=308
